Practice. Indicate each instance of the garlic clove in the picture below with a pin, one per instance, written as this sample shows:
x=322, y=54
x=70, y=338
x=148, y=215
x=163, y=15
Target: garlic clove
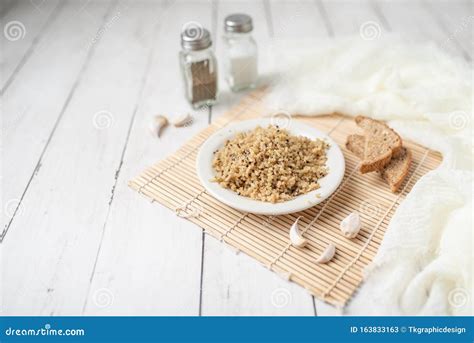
x=327, y=254
x=157, y=125
x=350, y=226
x=183, y=120
x=295, y=236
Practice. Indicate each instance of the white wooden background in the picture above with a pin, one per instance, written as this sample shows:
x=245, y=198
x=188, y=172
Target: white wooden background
x=79, y=84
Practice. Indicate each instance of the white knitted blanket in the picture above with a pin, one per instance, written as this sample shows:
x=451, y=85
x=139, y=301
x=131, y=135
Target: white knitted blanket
x=425, y=263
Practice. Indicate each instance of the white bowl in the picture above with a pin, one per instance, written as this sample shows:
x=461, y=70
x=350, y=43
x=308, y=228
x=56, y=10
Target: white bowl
x=335, y=163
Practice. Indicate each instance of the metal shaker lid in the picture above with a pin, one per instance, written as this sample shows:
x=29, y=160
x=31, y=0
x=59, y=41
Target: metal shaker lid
x=195, y=37
x=238, y=22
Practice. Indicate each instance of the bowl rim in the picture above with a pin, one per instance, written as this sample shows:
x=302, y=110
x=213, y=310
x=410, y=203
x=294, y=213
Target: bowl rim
x=329, y=183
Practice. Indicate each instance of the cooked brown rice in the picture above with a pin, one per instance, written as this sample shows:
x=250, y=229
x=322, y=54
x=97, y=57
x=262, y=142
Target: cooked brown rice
x=271, y=165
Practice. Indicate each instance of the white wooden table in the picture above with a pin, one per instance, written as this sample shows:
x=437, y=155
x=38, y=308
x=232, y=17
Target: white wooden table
x=80, y=81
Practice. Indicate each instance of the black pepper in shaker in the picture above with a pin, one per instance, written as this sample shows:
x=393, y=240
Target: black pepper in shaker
x=198, y=66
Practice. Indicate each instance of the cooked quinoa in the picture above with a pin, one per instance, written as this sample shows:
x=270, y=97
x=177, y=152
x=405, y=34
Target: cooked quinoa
x=271, y=165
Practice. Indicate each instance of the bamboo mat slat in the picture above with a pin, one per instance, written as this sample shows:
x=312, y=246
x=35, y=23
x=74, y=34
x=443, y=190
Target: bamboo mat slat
x=173, y=183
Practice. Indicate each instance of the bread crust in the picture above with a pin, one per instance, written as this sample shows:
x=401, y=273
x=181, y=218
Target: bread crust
x=406, y=169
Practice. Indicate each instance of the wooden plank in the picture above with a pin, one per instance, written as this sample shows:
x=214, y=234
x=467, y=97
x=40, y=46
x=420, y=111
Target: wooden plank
x=233, y=284
x=456, y=20
x=150, y=259
x=347, y=17
x=297, y=19
x=5, y=7
x=35, y=103
x=66, y=207
x=416, y=23
x=324, y=309
x=237, y=285
x=23, y=26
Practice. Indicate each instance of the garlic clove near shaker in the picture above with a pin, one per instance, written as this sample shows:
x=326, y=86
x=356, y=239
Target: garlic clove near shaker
x=157, y=124
x=183, y=120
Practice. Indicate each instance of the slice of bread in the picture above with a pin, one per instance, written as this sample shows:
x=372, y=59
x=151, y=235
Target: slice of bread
x=356, y=145
x=397, y=170
x=394, y=172
x=381, y=144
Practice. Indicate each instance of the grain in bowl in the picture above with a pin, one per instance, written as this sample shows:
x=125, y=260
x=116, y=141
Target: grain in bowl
x=269, y=164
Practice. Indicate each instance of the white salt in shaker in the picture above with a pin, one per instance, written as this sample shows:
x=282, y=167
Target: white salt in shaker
x=240, y=55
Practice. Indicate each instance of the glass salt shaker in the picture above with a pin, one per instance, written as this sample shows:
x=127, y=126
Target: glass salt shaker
x=240, y=55
x=198, y=67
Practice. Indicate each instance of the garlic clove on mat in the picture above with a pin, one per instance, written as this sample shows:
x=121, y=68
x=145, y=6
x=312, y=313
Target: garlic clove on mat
x=183, y=120
x=327, y=254
x=157, y=125
x=295, y=237
x=350, y=226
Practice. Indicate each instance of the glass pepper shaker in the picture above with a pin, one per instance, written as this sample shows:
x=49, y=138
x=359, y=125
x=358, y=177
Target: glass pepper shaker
x=240, y=55
x=198, y=67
